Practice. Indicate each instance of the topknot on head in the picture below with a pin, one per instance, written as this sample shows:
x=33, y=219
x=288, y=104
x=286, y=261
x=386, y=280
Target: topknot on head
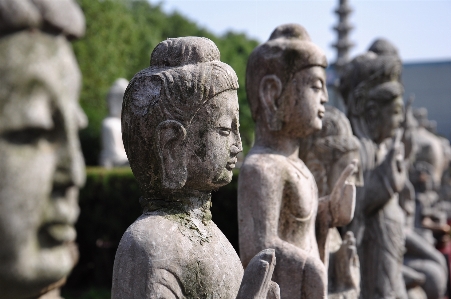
x=381, y=46
x=175, y=52
x=290, y=31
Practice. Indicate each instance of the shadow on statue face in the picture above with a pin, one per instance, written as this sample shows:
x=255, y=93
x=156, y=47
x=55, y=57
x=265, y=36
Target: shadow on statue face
x=41, y=167
x=213, y=143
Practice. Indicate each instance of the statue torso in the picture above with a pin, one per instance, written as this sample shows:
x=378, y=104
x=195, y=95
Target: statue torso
x=172, y=256
x=294, y=189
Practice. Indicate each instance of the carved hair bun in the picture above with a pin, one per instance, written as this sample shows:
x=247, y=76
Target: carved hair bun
x=175, y=52
x=290, y=31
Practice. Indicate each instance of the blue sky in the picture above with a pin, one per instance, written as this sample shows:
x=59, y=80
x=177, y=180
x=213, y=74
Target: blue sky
x=421, y=29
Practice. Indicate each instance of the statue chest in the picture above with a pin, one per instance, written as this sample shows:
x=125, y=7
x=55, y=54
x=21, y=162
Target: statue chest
x=209, y=266
x=299, y=207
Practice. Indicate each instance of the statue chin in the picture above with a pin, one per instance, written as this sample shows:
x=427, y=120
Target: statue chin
x=39, y=272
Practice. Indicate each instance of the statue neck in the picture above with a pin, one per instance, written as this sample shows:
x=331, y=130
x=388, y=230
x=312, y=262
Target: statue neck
x=277, y=141
x=192, y=202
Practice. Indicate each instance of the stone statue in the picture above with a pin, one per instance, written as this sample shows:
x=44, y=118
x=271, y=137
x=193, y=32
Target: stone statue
x=277, y=195
x=326, y=154
x=180, y=131
x=371, y=88
x=427, y=215
x=113, y=152
x=41, y=164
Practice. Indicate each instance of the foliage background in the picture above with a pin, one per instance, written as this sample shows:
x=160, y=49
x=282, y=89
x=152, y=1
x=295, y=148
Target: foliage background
x=120, y=36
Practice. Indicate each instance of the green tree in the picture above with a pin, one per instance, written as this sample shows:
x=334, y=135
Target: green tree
x=120, y=36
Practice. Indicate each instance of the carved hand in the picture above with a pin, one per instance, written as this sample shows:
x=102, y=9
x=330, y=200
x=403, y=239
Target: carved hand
x=393, y=171
x=347, y=264
x=342, y=198
x=256, y=283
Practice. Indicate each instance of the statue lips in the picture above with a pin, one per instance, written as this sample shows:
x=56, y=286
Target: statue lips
x=231, y=164
x=58, y=227
x=321, y=114
x=60, y=232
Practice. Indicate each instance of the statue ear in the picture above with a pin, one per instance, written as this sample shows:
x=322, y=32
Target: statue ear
x=170, y=140
x=270, y=90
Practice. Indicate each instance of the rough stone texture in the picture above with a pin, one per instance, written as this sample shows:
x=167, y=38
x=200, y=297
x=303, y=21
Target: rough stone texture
x=180, y=131
x=373, y=95
x=327, y=153
x=41, y=164
x=113, y=151
x=426, y=216
x=277, y=195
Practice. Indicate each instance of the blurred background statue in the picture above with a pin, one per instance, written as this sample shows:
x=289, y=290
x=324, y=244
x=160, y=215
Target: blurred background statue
x=327, y=153
x=113, y=152
x=41, y=164
x=371, y=88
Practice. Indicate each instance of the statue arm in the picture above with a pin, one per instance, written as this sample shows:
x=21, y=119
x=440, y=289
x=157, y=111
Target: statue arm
x=386, y=179
x=339, y=206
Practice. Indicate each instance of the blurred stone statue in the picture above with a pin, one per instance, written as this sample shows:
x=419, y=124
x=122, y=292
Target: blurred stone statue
x=371, y=88
x=428, y=217
x=326, y=154
x=113, y=152
x=180, y=130
x=41, y=164
x=278, y=200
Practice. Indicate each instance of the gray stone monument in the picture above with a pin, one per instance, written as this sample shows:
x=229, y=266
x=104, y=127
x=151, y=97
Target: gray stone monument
x=428, y=214
x=113, y=152
x=41, y=165
x=372, y=91
x=326, y=154
x=180, y=131
x=277, y=195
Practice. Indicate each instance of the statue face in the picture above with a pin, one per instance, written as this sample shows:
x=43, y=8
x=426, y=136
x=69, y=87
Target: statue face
x=41, y=168
x=387, y=119
x=304, y=100
x=213, y=143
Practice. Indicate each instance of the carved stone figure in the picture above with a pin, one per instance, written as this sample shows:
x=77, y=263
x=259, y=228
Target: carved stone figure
x=372, y=91
x=41, y=165
x=113, y=152
x=180, y=131
x=277, y=195
x=427, y=216
x=326, y=154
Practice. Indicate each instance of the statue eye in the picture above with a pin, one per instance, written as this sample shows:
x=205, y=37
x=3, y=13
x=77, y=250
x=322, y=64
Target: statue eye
x=225, y=131
x=26, y=136
x=317, y=85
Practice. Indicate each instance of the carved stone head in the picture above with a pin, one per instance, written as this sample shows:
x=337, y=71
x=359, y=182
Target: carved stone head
x=115, y=96
x=180, y=119
x=328, y=152
x=371, y=88
x=41, y=164
x=285, y=82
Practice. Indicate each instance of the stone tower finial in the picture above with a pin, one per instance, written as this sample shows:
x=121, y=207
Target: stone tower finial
x=343, y=44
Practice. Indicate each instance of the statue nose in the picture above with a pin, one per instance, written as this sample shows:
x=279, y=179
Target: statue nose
x=70, y=165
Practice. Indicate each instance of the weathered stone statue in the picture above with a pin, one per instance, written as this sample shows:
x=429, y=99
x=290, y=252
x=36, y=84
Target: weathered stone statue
x=113, y=152
x=373, y=93
x=326, y=154
x=41, y=165
x=277, y=195
x=427, y=216
x=180, y=131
